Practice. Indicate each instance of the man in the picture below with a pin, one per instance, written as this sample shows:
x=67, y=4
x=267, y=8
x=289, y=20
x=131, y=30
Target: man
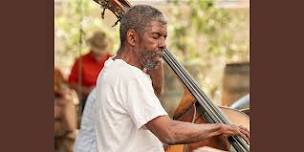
x=129, y=116
x=86, y=68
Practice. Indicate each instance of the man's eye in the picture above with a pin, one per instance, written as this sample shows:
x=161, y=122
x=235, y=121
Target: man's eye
x=155, y=36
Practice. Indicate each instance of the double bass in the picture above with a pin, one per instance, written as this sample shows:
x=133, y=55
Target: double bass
x=195, y=106
x=188, y=110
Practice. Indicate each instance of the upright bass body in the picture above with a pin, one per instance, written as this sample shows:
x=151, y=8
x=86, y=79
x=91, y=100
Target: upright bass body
x=189, y=111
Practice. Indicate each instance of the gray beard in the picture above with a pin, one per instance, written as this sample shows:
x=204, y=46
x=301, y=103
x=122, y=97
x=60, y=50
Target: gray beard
x=147, y=60
x=150, y=65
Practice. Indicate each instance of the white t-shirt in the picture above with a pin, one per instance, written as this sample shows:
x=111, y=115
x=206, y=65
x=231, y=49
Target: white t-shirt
x=125, y=102
x=86, y=139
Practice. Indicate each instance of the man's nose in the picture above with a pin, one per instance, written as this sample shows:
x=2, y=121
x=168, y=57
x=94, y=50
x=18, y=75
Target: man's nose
x=162, y=43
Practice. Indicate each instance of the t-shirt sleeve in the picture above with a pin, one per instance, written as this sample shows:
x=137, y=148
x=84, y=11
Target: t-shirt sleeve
x=142, y=104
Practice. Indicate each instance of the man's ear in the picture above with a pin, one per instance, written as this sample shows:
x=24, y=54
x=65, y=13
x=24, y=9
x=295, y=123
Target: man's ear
x=132, y=37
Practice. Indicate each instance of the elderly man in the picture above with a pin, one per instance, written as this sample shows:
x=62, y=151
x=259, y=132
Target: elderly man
x=129, y=116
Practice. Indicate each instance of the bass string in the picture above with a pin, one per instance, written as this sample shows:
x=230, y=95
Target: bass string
x=215, y=114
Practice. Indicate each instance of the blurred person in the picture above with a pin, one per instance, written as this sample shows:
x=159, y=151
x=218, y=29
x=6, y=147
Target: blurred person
x=86, y=139
x=85, y=69
x=64, y=113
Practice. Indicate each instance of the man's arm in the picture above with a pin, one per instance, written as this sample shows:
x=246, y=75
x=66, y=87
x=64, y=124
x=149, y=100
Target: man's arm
x=74, y=79
x=178, y=132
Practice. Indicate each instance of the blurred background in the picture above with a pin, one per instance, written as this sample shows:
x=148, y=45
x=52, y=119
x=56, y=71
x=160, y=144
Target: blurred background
x=209, y=37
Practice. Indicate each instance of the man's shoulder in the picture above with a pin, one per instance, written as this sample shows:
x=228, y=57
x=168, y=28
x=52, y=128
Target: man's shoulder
x=125, y=71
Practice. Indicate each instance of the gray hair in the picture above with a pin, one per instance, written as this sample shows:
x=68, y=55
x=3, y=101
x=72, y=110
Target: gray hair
x=137, y=18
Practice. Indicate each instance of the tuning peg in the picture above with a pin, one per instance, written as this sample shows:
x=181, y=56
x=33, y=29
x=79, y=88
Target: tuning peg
x=116, y=22
x=103, y=12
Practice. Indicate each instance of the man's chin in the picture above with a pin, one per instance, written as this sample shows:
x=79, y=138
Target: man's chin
x=151, y=66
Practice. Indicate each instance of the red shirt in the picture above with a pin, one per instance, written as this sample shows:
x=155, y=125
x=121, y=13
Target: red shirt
x=90, y=68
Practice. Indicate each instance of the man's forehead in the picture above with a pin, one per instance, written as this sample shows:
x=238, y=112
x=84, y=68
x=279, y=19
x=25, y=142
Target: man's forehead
x=156, y=26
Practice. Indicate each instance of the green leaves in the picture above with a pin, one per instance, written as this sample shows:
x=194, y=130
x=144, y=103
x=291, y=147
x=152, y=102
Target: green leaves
x=210, y=36
x=202, y=21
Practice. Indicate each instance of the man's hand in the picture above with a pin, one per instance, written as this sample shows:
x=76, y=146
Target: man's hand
x=231, y=130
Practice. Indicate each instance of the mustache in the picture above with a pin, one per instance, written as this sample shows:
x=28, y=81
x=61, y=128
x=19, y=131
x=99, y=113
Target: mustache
x=156, y=53
x=161, y=53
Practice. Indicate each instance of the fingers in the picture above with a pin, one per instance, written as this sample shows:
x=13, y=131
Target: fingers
x=246, y=133
x=228, y=130
x=231, y=130
x=245, y=137
x=244, y=128
x=243, y=132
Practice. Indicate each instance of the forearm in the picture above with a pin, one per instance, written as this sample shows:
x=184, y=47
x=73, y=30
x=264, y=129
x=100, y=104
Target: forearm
x=185, y=132
x=178, y=132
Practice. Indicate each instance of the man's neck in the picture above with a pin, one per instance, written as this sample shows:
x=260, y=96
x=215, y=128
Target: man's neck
x=129, y=56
